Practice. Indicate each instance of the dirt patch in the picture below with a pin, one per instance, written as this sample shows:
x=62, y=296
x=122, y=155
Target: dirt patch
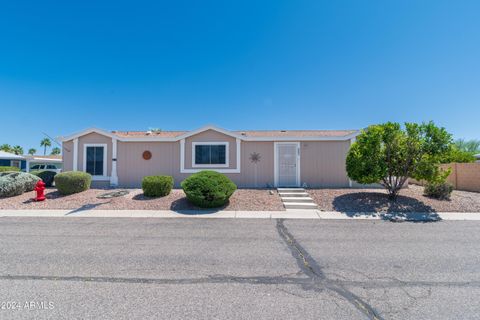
x=242, y=199
x=410, y=199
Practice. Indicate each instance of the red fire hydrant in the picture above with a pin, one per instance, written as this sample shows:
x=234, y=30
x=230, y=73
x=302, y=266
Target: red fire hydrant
x=40, y=188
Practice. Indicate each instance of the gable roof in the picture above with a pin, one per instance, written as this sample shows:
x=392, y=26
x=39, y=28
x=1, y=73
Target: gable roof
x=247, y=135
x=10, y=156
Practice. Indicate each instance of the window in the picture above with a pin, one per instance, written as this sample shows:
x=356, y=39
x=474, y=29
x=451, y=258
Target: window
x=210, y=154
x=95, y=160
x=15, y=163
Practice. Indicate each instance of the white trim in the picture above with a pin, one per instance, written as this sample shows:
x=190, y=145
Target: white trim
x=350, y=182
x=85, y=132
x=208, y=127
x=209, y=143
x=182, y=161
x=275, y=161
x=205, y=128
x=75, y=154
x=113, y=175
x=105, y=152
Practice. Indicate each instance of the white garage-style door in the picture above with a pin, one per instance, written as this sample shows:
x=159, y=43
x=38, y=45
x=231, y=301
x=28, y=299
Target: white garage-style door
x=287, y=164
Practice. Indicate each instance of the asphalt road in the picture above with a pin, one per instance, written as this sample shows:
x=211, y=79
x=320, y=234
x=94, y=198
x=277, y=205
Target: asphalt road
x=102, y=268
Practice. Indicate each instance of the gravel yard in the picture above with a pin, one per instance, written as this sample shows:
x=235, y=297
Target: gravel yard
x=242, y=199
x=410, y=199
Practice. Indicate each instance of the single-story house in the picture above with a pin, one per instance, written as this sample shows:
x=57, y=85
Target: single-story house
x=8, y=159
x=31, y=162
x=50, y=162
x=289, y=158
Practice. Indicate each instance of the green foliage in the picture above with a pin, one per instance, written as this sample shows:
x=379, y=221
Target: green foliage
x=8, y=168
x=157, y=186
x=469, y=146
x=55, y=151
x=457, y=155
x=17, y=150
x=46, y=176
x=389, y=154
x=72, y=182
x=45, y=143
x=32, y=151
x=16, y=183
x=208, y=189
x=6, y=147
x=437, y=186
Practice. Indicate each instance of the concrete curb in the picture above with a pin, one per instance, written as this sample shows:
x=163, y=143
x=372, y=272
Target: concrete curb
x=211, y=214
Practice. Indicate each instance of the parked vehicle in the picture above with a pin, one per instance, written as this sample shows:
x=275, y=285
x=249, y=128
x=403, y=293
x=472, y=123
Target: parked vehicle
x=47, y=167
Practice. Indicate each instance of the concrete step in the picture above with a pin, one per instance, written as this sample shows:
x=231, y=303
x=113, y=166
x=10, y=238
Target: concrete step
x=293, y=194
x=297, y=199
x=291, y=190
x=299, y=205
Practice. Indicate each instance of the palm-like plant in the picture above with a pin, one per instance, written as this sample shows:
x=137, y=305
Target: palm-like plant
x=17, y=150
x=470, y=146
x=55, y=151
x=45, y=143
x=6, y=147
x=32, y=151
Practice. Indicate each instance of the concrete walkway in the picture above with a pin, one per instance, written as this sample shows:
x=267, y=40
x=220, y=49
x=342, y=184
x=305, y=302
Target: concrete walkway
x=290, y=214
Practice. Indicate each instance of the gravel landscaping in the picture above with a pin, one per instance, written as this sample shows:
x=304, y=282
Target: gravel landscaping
x=242, y=199
x=410, y=199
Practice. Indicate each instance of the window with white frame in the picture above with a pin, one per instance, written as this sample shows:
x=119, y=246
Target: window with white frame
x=210, y=154
x=95, y=159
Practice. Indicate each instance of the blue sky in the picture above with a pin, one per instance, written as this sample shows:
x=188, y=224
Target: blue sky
x=66, y=65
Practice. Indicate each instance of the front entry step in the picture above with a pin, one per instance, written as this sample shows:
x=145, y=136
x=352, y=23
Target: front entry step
x=296, y=198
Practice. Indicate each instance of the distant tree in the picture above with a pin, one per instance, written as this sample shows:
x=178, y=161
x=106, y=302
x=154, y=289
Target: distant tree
x=457, y=155
x=390, y=154
x=56, y=151
x=6, y=147
x=45, y=143
x=470, y=146
x=17, y=150
x=32, y=151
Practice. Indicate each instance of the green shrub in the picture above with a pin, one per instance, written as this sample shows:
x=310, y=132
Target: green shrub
x=208, y=189
x=8, y=168
x=157, y=186
x=72, y=182
x=437, y=187
x=46, y=176
x=16, y=183
x=441, y=191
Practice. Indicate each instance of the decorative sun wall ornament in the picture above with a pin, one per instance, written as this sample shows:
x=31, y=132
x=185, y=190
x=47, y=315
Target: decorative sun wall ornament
x=147, y=155
x=255, y=157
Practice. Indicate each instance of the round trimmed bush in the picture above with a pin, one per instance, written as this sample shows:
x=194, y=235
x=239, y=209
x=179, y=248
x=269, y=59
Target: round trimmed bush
x=157, y=186
x=208, y=189
x=46, y=176
x=72, y=182
x=8, y=168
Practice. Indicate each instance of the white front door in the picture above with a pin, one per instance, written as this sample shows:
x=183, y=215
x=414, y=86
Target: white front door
x=287, y=164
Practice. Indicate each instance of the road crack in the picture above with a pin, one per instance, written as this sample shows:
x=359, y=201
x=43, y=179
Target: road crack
x=311, y=268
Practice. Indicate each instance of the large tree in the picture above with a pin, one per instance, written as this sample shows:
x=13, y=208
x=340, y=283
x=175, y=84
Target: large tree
x=390, y=154
x=45, y=143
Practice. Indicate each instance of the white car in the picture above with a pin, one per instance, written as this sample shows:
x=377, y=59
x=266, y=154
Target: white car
x=47, y=167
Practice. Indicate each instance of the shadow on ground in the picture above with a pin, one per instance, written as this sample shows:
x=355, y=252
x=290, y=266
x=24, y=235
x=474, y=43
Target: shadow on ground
x=376, y=203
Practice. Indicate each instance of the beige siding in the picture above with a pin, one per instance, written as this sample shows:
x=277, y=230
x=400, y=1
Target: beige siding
x=322, y=163
x=95, y=138
x=67, y=155
x=131, y=167
x=211, y=136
